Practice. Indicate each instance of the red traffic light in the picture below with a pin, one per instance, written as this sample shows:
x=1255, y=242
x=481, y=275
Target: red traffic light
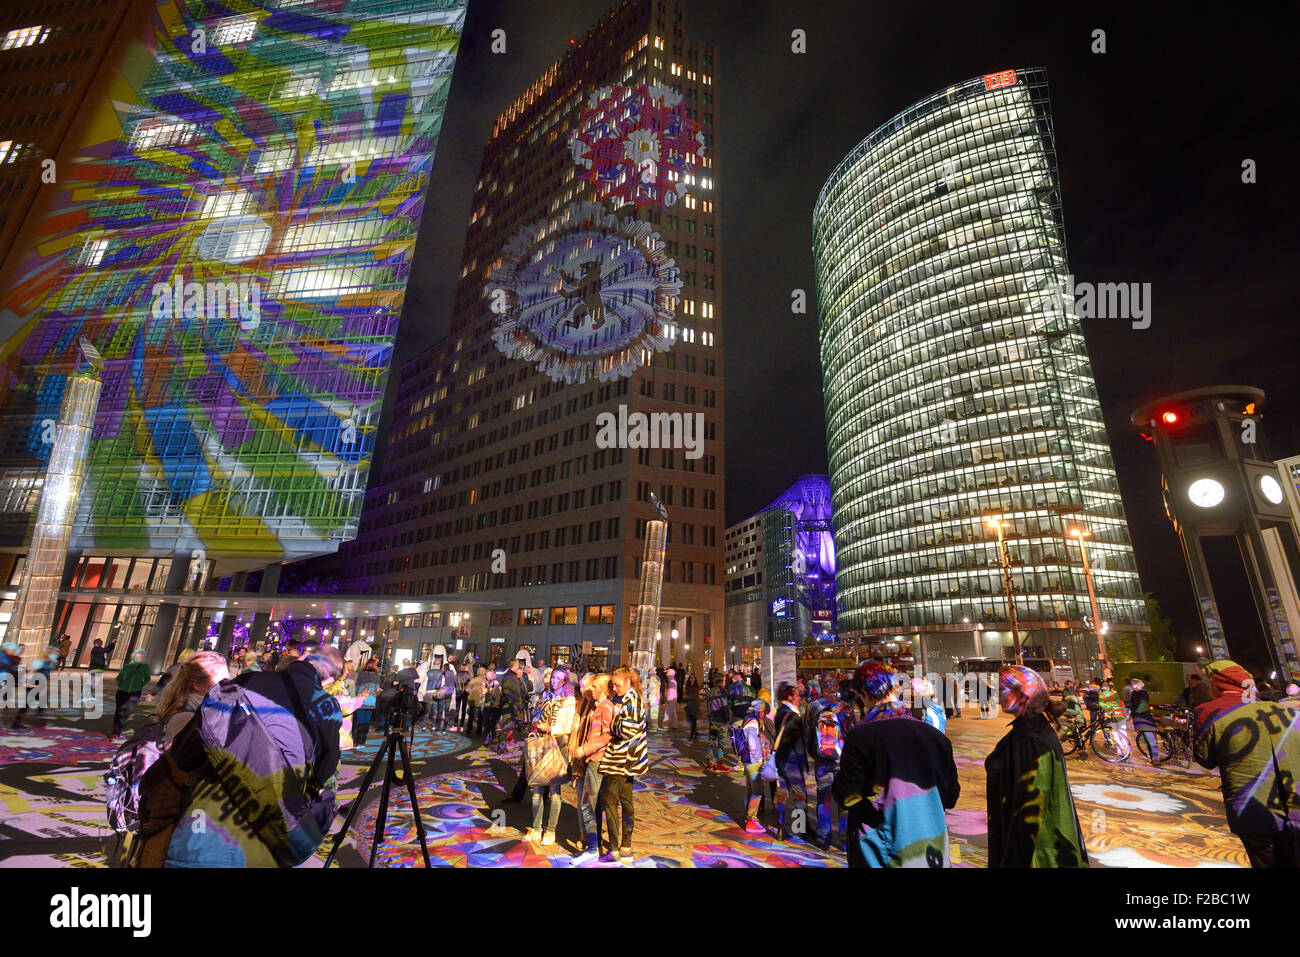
x=1169, y=418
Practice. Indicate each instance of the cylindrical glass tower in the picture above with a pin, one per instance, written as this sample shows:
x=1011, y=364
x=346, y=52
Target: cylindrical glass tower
x=958, y=387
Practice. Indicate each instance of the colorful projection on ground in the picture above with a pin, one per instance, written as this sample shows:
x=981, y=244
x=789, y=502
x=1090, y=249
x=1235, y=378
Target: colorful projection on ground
x=637, y=144
x=592, y=298
x=243, y=270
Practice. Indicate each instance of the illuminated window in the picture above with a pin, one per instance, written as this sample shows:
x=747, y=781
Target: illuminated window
x=598, y=615
x=24, y=37
x=234, y=30
x=229, y=203
x=151, y=136
x=93, y=252
x=300, y=86
x=530, y=616
x=277, y=159
x=564, y=616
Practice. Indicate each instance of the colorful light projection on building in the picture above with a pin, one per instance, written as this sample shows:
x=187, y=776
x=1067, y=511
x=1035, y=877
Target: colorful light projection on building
x=592, y=298
x=243, y=270
x=637, y=144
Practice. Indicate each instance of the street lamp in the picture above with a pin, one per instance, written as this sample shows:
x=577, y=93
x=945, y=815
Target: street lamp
x=1098, y=630
x=997, y=524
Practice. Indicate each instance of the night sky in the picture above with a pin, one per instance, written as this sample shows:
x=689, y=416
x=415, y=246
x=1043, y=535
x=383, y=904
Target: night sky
x=1150, y=138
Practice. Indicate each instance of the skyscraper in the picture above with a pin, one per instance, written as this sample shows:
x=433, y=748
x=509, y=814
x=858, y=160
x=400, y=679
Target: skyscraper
x=241, y=265
x=589, y=295
x=958, y=386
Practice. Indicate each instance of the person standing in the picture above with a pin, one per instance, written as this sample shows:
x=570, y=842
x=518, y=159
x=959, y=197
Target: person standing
x=130, y=684
x=10, y=662
x=896, y=778
x=556, y=720
x=1032, y=821
x=517, y=715
x=755, y=679
x=587, y=748
x=670, y=700
x=1255, y=745
x=439, y=688
x=474, y=702
x=625, y=759
x=691, y=698
x=754, y=744
x=491, y=709
x=1197, y=692
x=719, y=715
x=65, y=649
x=99, y=656
x=829, y=720
x=1139, y=704
x=463, y=676
x=791, y=764
x=653, y=697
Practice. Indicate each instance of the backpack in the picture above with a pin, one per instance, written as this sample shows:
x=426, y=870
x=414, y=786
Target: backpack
x=717, y=705
x=122, y=779
x=741, y=746
x=830, y=734
x=740, y=701
x=258, y=747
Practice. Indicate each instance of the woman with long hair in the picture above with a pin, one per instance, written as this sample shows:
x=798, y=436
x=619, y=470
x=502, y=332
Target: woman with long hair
x=177, y=705
x=557, y=720
x=625, y=759
x=592, y=726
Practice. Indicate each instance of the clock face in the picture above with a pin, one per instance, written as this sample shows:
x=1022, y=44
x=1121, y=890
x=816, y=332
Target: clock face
x=1205, y=493
x=1271, y=489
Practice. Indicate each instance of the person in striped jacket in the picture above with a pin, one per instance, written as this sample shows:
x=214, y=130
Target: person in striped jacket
x=625, y=758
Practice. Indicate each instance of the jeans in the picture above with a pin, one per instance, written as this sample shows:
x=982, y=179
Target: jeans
x=126, y=701
x=827, y=809
x=717, y=742
x=546, y=797
x=691, y=715
x=361, y=726
x=754, y=786
x=439, y=708
x=792, y=790
x=616, y=792
x=489, y=723
x=475, y=716
x=588, y=788
x=462, y=708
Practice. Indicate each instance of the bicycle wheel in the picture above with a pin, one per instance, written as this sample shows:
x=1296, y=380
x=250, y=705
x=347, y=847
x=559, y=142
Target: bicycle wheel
x=1111, y=745
x=1181, y=750
x=1163, y=748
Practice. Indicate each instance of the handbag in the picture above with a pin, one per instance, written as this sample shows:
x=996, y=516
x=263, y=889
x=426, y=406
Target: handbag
x=544, y=760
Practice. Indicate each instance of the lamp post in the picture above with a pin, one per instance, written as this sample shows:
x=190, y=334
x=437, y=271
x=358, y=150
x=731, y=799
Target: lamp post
x=997, y=524
x=1080, y=535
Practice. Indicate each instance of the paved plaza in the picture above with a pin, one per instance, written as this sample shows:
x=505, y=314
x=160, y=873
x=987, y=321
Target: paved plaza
x=52, y=811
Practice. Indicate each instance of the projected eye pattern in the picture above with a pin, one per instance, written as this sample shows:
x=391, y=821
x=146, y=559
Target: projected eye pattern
x=243, y=268
x=592, y=298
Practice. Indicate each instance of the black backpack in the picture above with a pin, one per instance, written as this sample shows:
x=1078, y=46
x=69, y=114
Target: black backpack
x=122, y=779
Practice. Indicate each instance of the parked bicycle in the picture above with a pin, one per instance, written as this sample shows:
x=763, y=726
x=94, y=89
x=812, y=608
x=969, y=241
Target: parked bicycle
x=1173, y=736
x=1107, y=742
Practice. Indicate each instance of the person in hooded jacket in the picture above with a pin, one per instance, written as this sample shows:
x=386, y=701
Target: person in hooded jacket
x=1032, y=820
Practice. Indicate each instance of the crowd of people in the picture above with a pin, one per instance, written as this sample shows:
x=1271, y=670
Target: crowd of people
x=880, y=764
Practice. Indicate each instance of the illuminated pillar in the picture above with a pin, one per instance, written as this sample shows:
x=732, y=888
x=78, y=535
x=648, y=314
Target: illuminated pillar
x=652, y=586
x=38, y=592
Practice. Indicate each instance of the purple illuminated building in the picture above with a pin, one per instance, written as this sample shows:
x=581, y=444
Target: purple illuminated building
x=780, y=571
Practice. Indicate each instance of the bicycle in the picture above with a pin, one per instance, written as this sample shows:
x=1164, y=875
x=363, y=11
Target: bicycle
x=1108, y=743
x=1173, y=736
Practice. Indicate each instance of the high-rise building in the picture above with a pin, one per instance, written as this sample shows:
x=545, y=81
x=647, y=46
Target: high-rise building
x=241, y=264
x=780, y=572
x=958, y=387
x=589, y=296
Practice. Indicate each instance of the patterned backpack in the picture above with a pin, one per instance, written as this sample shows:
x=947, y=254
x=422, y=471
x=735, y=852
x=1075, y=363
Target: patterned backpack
x=122, y=779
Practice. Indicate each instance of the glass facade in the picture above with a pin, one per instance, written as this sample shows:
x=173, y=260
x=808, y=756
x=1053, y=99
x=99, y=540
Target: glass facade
x=957, y=381
x=242, y=270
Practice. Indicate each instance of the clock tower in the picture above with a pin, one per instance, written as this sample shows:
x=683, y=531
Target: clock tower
x=1219, y=479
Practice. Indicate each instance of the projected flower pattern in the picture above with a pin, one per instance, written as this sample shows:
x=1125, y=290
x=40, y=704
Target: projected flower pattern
x=592, y=298
x=637, y=144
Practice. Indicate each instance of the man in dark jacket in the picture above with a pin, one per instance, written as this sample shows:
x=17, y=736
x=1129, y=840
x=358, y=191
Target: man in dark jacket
x=254, y=793
x=825, y=746
x=896, y=777
x=516, y=709
x=791, y=764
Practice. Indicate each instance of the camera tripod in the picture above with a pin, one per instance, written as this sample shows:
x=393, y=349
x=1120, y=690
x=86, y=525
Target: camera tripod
x=394, y=746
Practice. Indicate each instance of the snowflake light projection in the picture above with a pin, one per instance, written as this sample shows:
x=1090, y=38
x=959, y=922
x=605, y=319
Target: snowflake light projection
x=637, y=144
x=593, y=297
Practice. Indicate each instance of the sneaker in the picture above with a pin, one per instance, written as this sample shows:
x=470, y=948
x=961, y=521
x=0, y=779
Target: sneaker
x=589, y=856
x=753, y=827
x=609, y=857
x=625, y=856
x=530, y=836
x=548, y=839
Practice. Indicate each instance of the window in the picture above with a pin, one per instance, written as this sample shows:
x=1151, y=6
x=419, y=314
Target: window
x=567, y=615
x=530, y=616
x=598, y=615
x=502, y=617
x=24, y=37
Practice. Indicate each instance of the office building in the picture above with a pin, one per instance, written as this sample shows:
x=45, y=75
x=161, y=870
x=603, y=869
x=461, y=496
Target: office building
x=589, y=296
x=958, y=387
x=241, y=266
